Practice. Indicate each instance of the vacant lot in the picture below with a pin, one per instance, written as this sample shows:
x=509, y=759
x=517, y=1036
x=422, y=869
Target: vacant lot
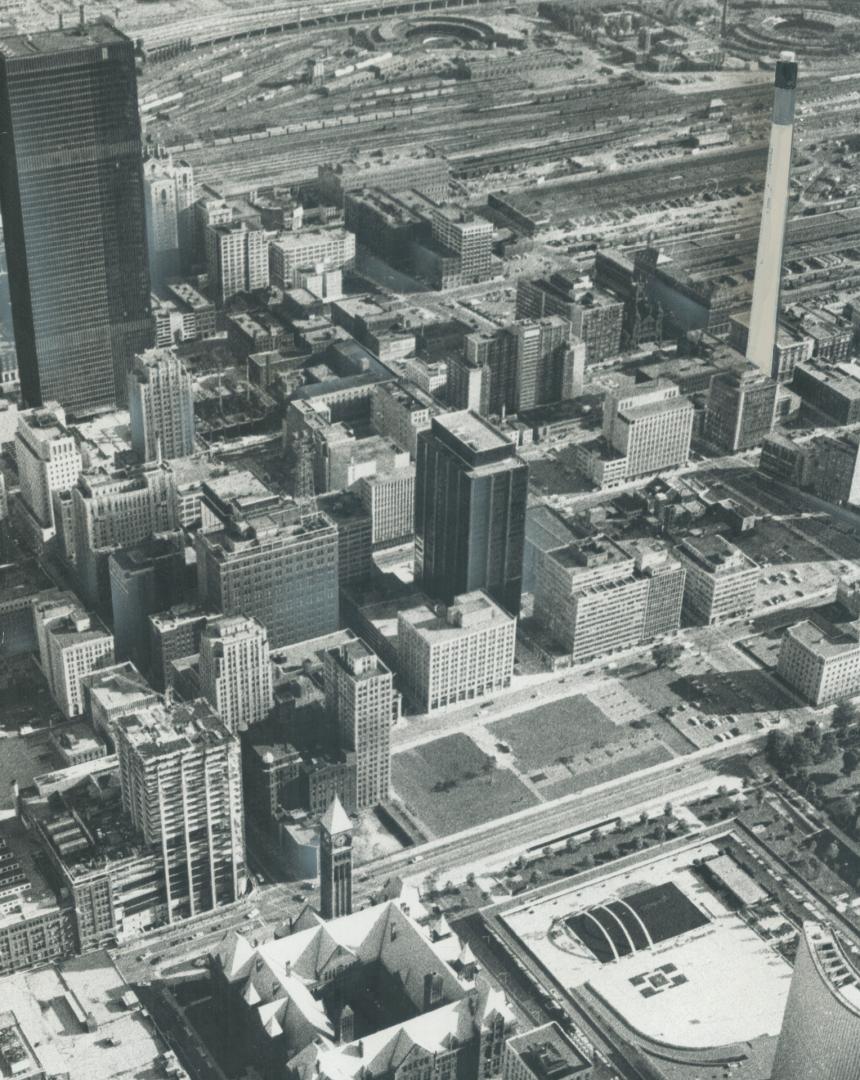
x=450, y=784
x=558, y=730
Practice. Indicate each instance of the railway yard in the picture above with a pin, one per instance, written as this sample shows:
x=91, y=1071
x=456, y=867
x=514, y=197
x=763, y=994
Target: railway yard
x=591, y=147
x=554, y=111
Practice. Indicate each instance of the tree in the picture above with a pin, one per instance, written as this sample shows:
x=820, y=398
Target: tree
x=668, y=810
x=777, y=749
x=595, y=835
x=665, y=653
x=832, y=853
x=829, y=746
x=845, y=715
x=662, y=833
x=850, y=761
x=570, y=844
x=470, y=878
x=643, y=818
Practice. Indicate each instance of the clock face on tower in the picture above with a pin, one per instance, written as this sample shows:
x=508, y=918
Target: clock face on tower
x=339, y=841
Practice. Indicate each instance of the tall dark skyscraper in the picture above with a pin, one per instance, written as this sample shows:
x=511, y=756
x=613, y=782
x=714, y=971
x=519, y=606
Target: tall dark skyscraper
x=470, y=511
x=71, y=195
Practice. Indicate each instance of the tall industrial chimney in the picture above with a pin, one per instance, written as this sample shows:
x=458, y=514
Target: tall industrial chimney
x=771, y=237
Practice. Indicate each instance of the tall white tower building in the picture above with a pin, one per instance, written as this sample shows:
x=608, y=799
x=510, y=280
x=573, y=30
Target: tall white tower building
x=48, y=460
x=168, y=202
x=235, y=670
x=774, y=215
x=161, y=406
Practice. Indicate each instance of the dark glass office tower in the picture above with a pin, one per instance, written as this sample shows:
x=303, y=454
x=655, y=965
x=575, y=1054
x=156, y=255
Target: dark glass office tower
x=470, y=511
x=71, y=195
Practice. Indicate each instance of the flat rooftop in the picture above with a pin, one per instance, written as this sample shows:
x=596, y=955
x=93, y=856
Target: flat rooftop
x=471, y=430
x=469, y=612
x=716, y=554
x=48, y=1008
x=37, y=897
x=69, y=39
x=817, y=640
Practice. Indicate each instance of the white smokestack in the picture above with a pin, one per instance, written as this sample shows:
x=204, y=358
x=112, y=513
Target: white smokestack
x=771, y=239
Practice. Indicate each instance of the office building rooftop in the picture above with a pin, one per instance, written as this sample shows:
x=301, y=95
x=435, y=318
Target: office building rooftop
x=472, y=431
x=61, y=40
x=470, y=611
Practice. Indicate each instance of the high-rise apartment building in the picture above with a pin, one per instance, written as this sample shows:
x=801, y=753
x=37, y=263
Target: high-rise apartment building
x=359, y=697
x=820, y=1035
x=48, y=460
x=72, y=201
x=181, y=782
x=237, y=259
x=117, y=509
x=463, y=653
x=721, y=580
x=740, y=409
x=161, y=406
x=169, y=201
x=235, y=671
x=261, y=555
x=470, y=509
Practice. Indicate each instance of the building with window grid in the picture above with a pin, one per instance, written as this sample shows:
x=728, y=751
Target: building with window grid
x=48, y=460
x=262, y=555
x=822, y=666
x=235, y=671
x=721, y=580
x=470, y=508
x=460, y=653
x=360, y=700
x=161, y=406
x=181, y=780
x=72, y=200
x=596, y=596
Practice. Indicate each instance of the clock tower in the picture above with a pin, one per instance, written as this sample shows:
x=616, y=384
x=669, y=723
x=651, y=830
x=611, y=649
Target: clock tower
x=335, y=862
